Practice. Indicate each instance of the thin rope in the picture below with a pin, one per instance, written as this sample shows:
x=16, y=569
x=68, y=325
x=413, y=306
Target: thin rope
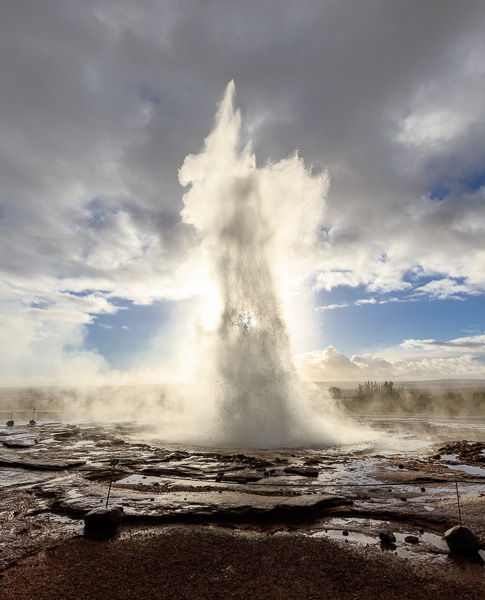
x=319, y=485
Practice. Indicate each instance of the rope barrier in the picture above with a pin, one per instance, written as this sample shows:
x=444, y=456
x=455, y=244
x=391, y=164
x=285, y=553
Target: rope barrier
x=325, y=485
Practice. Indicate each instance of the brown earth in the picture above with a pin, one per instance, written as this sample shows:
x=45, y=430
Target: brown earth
x=43, y=496
x=194, y=563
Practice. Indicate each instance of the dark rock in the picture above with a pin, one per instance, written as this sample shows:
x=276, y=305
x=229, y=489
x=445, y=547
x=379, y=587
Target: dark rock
x=176, y=456
x=305, y=471
x=117, y=442
x=462, y=540
x=467, y=452
x=345, y=532
x=103, y=518
x=10, y=423
x=411, y=539
x=184, y=471
x=387, y=537
x=242, y=476
x=261, y=463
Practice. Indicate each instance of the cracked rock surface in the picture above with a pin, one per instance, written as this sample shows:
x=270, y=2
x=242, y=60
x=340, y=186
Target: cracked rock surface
x=245, y=505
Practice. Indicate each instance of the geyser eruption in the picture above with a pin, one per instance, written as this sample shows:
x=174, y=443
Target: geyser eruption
x=253, y=224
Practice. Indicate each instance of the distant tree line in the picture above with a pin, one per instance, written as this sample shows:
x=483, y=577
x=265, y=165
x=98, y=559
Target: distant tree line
x=373, y=390
x=373, y=397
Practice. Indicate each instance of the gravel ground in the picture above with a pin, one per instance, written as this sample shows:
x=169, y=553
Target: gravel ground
x=195, y=563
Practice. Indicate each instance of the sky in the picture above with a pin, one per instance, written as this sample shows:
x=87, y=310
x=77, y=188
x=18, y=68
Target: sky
x=100, y=103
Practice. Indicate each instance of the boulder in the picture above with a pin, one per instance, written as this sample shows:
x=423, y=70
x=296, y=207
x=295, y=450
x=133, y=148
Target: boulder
x=462, y=540
x=103, y=519
x=387, y=537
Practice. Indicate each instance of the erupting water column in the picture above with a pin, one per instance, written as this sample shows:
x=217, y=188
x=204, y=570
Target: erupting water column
x=252, y=224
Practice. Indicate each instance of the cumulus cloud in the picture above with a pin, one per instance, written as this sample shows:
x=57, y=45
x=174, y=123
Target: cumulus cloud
x=330, y=365
x=102, y=101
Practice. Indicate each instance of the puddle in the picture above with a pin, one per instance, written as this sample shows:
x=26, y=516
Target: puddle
x=431, y=540
x=345, y=530
x=140, y=480
x=353, y=473
x=445, y=493
x=429, y=547
x=450, y=457
x=336, y=534
x=468, y=469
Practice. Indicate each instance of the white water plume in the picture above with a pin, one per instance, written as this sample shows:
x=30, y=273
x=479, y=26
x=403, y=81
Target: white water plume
x=255, y=225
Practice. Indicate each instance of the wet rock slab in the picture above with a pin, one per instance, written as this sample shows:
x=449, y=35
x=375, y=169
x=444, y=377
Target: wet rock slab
x=18, y=441
x=74, y=495
x=62, y=472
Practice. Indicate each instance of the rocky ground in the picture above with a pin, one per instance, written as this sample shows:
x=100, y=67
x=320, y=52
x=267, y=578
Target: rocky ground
x=232, y=524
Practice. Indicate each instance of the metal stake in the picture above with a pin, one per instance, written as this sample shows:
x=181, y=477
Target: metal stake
x=458, y=501
x=113, y=464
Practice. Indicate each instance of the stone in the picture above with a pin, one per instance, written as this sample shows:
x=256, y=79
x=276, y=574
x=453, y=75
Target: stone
x=411, y=539
x=387, y=537
x=303, y=471
x=462, y=540
x=103, y=519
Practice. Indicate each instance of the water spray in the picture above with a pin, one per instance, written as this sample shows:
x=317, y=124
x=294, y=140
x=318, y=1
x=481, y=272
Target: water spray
x=255, y=225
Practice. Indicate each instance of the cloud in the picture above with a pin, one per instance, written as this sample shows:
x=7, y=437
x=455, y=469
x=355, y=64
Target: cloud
x=363, y=301
x=476, y=342
x=101, y=103
x=330, y=365
x=442, y=289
